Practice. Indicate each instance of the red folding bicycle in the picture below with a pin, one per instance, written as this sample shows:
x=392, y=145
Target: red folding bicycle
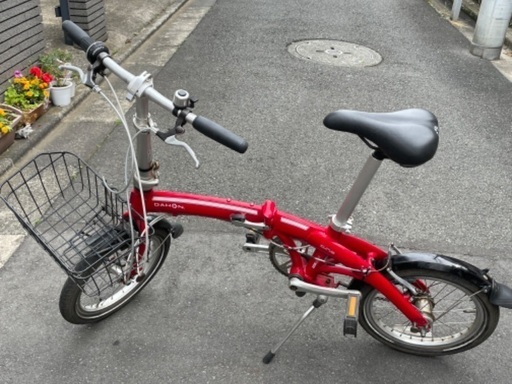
x=111, y=247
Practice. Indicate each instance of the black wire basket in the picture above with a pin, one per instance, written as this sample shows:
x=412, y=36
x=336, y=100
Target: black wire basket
x=66, y=207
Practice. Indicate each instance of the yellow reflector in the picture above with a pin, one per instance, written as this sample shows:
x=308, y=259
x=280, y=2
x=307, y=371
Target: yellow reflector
x=352, y=306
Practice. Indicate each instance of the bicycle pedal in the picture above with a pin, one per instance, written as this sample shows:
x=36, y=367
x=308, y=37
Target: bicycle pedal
x=252, y=243
x=350, y=321
x=252, y=238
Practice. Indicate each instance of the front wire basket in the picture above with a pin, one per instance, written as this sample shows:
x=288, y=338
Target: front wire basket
x=65, y=206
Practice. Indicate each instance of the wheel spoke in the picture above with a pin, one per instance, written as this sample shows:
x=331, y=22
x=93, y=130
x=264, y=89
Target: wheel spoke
x=117, y=289
x=457, y=303
x=461, y=318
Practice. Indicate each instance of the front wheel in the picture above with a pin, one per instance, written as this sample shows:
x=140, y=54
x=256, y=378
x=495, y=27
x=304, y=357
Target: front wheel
x=462, y=315
x=79, y=308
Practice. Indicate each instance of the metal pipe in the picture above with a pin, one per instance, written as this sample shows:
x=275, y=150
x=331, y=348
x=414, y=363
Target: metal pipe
x=260, y=248
x=340, y=220
x=300, y=286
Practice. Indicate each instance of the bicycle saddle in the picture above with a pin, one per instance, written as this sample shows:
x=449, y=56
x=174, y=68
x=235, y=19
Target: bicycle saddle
x=408, y=137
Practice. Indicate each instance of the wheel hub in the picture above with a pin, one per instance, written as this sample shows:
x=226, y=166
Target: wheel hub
x=425, y=304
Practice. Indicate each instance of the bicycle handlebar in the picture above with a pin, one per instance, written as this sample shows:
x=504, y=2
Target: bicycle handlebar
x=97, y=51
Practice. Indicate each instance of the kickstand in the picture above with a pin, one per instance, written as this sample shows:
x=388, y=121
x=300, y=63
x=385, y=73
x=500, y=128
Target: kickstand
x=319, y=301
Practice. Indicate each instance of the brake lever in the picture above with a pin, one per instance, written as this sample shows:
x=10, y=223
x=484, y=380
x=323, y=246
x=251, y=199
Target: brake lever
x=172, y=140
x=85, y=78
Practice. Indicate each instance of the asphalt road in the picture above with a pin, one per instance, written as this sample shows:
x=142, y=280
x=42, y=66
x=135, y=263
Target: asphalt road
x=213, y=312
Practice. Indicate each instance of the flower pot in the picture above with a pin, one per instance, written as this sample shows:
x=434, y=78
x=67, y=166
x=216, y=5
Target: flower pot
x=28, y=117
x=6, y=141
x=61, y=96
x=14, y=112
x=13, y=118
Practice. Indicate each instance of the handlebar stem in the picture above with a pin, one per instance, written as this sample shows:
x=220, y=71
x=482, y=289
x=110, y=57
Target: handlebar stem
x=144, y=148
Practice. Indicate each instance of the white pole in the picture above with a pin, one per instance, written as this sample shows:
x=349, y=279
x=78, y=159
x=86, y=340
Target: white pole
x=457, y=4
x=491, y=27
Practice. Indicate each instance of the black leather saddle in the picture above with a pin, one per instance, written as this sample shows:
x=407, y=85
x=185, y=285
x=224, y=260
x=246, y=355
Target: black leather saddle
x=408, y=137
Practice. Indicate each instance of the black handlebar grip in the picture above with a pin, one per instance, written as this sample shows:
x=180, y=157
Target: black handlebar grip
x=77, y=34
x=220, y=134
x=84, y=41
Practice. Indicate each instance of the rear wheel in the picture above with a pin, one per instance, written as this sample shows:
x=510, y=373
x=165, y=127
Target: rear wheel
x=462, y=315
x=80, y=308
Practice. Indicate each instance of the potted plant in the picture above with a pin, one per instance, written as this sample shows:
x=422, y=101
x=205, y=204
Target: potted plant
x=29, y=93
x=9, y=119
x=63, y=87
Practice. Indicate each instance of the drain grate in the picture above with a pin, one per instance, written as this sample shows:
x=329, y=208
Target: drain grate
x=335, y=52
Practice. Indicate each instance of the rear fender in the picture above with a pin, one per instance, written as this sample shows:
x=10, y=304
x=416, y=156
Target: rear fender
x=442, y=263
x=499, y=294
x=435, y=262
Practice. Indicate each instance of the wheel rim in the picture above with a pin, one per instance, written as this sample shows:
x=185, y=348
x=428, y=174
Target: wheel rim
x=282, y=261
x=459, y=317
x=118, y=292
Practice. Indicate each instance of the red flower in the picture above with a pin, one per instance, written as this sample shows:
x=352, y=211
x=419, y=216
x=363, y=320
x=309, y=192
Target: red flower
x=46, y=77
x=36, y=71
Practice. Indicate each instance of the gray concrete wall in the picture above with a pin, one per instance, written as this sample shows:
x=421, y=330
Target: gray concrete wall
x=21, y=36
x=90, y=16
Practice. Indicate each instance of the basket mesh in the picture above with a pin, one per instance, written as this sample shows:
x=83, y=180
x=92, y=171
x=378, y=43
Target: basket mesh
x=66, y=207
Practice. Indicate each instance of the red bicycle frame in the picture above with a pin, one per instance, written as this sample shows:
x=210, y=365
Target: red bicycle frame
x=355, y=255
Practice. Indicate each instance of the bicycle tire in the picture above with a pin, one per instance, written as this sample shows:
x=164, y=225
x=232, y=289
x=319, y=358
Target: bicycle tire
x=448, y=334
x=72, y=299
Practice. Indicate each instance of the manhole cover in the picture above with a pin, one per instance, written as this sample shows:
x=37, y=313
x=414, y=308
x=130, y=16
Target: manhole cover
x=335, y=52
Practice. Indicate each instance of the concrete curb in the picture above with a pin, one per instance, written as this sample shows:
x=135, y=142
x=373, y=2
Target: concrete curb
x=52, y=117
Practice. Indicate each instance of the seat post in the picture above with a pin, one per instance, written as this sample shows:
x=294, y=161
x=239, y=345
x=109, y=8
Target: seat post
x=341, y=221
